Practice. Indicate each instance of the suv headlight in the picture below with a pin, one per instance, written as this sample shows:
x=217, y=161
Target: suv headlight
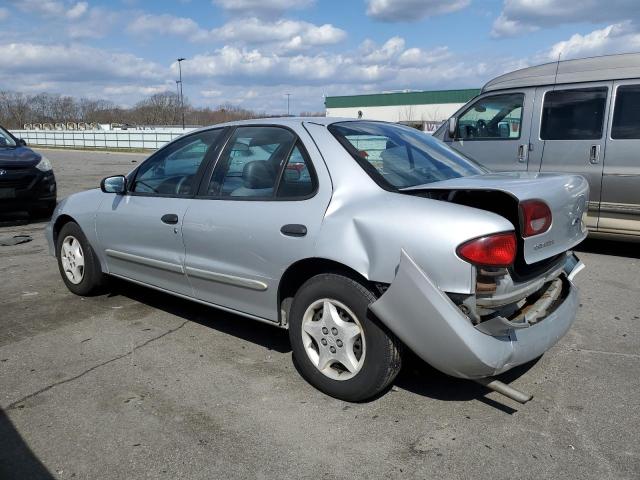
x=44, y=164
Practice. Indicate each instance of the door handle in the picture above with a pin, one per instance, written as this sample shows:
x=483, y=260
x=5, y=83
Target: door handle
x=170, y=218
x=294, y=230
x=594, y=154
x=523, y=152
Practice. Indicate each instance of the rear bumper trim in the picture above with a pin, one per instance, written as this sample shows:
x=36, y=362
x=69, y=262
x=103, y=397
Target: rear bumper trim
x=431, y=325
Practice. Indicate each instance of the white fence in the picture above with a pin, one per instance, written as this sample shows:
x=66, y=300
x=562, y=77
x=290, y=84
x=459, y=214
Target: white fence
x=124, y=139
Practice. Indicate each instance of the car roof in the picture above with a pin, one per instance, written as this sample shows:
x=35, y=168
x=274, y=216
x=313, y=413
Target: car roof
x=592, y=69
x=284, y=121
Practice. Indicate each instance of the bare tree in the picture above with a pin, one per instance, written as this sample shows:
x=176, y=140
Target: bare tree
x=17, y=109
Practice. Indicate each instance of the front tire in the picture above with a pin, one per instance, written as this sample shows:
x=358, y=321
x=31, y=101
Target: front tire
x=78, y=265
x=338, y=345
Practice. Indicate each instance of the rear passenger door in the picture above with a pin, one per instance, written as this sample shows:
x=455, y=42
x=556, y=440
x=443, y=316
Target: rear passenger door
x=258, y=212
x=494, y=130
x=620, y=201
x=570, y=134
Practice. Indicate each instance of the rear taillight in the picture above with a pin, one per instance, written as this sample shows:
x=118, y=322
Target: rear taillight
x=498, y=250
x=536, y=217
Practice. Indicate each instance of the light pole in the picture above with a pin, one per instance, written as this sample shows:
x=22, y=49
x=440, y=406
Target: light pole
x=288, y=97
x=180, y=81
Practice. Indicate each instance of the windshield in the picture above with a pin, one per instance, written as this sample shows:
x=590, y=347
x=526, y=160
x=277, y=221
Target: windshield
x=400, y=157
x=6, y=140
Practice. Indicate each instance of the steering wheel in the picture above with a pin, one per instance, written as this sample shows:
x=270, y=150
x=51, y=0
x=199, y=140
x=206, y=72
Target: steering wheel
x=481, y=128
x=181, y=183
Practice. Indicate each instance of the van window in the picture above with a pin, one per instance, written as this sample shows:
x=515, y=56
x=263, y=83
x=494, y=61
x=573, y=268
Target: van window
x=497, y=117
x=573, y=114
x=626, y=114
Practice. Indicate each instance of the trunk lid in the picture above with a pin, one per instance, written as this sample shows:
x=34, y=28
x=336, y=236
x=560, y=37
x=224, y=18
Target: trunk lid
x=566, y=196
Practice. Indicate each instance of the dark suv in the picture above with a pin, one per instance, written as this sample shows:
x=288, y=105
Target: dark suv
x=27, y=182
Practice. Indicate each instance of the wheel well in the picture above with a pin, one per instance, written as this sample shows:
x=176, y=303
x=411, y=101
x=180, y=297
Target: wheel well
x=61, y=221
x=303, y=270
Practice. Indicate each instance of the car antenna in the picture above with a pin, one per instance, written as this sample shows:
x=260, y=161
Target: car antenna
x=555, y=78
x=553, y=89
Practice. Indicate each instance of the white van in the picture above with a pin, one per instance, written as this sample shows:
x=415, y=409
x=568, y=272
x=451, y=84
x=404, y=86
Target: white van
x=576, y=116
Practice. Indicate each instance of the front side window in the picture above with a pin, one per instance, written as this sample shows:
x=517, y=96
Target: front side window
x=5, y=139
x=573, y=114
x=251, y=164
x=398, y=157
x=497, y=117
x=172, y=171
x=626, y=114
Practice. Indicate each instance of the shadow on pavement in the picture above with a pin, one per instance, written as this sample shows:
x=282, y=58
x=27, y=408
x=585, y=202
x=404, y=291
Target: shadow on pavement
x=15, y=219
x=420, y=378
x=416, y=376
x=610, y=247
x=17, y=461
x=267, y=336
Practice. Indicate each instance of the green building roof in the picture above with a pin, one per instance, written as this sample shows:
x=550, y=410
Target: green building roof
x=402, y=98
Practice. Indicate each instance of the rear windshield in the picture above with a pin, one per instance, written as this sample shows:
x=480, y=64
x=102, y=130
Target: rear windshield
x=399, y=157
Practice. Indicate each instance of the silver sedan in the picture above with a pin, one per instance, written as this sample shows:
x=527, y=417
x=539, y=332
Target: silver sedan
x=364, y=239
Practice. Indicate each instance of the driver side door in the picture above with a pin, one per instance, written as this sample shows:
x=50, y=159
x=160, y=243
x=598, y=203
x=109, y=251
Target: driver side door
x=495, y=130
x=141, y=231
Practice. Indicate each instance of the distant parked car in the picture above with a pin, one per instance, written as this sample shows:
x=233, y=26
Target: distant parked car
x=27, y=182
x=576, y=116
x=359, y=237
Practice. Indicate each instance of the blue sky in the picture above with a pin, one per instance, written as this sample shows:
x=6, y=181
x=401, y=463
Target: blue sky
x=251, y=52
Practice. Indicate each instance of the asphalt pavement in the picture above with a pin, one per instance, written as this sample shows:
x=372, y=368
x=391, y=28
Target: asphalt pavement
x=138, y=384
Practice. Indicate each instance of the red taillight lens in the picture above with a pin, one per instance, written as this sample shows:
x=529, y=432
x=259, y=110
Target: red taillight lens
x=536, y=217
x=497, y=250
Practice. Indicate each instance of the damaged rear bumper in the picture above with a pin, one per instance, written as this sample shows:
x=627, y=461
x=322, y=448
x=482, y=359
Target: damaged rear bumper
x=431, y=325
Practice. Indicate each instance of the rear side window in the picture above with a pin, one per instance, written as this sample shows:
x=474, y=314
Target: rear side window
x=497, y=117
x=573, y=114
x=297, y=179
x=626, y=113
x=262, y=163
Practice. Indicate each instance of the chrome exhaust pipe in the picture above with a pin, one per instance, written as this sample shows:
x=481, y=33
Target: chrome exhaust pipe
x=504, y=389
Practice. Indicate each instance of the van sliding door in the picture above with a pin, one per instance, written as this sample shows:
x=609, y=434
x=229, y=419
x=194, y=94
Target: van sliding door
x=569, y=134
x=620, y=203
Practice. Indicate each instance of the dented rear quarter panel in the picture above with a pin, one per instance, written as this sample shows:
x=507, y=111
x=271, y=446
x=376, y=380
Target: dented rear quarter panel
x=366, y=227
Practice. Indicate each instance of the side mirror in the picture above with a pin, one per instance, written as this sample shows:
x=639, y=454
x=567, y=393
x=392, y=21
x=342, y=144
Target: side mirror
x=116, y=184
x=22, y=141
x=453, y=127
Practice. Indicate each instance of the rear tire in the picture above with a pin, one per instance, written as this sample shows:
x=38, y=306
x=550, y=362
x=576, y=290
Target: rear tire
x=338, y=345
x=77, y=262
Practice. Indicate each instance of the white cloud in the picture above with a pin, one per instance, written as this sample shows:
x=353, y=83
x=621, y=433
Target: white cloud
x=412, y=10
x=77, y=11
x=52, y=8
x=167, y=24
x=290, y=34
x=96, y=24
x=77, y=63
x=284, y=34
x=211, y=93
x=523, y=16
x=616, y=38
x=262, y=7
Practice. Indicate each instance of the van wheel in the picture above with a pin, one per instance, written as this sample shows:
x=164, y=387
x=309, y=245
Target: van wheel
x=79, y=267
x=338, y=345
